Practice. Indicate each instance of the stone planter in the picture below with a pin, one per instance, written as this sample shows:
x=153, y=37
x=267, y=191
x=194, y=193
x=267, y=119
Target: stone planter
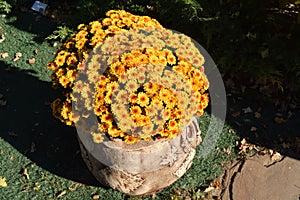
x=144, y=167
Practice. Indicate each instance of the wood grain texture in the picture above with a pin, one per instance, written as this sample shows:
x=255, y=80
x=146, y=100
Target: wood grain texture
x=145, y=167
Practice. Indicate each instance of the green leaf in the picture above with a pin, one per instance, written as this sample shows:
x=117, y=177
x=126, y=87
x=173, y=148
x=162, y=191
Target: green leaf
x=5, y=7
x=297, y=2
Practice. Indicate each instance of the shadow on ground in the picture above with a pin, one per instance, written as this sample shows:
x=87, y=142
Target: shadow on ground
x=257, y=120
x=28, y=125
x=34, y=23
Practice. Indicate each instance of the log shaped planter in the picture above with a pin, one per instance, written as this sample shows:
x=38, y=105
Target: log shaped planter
x=144, y=167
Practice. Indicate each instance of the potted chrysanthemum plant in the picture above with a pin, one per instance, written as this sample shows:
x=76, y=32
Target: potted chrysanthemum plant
x=133, y=89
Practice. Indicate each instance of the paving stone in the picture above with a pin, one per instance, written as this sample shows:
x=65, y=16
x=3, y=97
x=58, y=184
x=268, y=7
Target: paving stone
x=280, y=181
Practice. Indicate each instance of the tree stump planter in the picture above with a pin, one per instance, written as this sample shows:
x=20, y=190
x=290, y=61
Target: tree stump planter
x=141, y=168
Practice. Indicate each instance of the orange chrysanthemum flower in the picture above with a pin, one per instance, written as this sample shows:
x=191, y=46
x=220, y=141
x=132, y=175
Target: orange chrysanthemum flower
x=97, y=137
x=143, y=99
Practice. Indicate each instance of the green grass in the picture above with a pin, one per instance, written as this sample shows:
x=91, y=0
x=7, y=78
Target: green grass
x=31, y=139
x=19, y=38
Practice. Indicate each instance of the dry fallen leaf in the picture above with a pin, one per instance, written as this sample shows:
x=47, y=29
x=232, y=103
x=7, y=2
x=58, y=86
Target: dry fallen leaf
x=209, y=189
x=246, y=146
x=243, y=141
x=2, y=38
x=31, y=61
x=18, y=55
x=177, y=192
x=286, y=145
x=235, y=114
x=257, y=115
x=264, y=53
x=3, y=182
x=228, y=150
x=3, y=103
x=36, y=52
x=279, y=120
x=276, y=157
x=231, y=131
x=61, y=194
x=4, y=55
x=96, y=196
x=247, y=110
x=25, y=173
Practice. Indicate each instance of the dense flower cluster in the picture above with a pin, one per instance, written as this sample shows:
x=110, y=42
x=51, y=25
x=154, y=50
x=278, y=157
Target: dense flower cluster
x=141, y=81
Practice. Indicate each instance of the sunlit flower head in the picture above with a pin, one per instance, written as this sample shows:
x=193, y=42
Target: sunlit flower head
x=131, y=139
x=141, y=94
x=133, y=98
x=135, y=110
x=98, y=137
x=132, y=86
x=80, y=43
x=143, y=99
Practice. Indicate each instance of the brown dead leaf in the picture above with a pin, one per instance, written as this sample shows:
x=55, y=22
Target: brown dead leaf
x=228, y=150
x=209, y=189
x=3, y=103
x=177, y=192
x=244, y=146
x=75, y=186
x=231, y=131
x=253, y=128
x=24, y=172
x=279, y=120
x=1, y=28
x=276, y=157
x=2, y=38
x=61, y=194
x=257, y=115
x=247, y=110
x=31, y=61
x=153, y=196
x=96, y=196
x=286, y=145
x=236, y=114
x=150, y=7
x=18, y=55
x=264, y=53
x=4, y=55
